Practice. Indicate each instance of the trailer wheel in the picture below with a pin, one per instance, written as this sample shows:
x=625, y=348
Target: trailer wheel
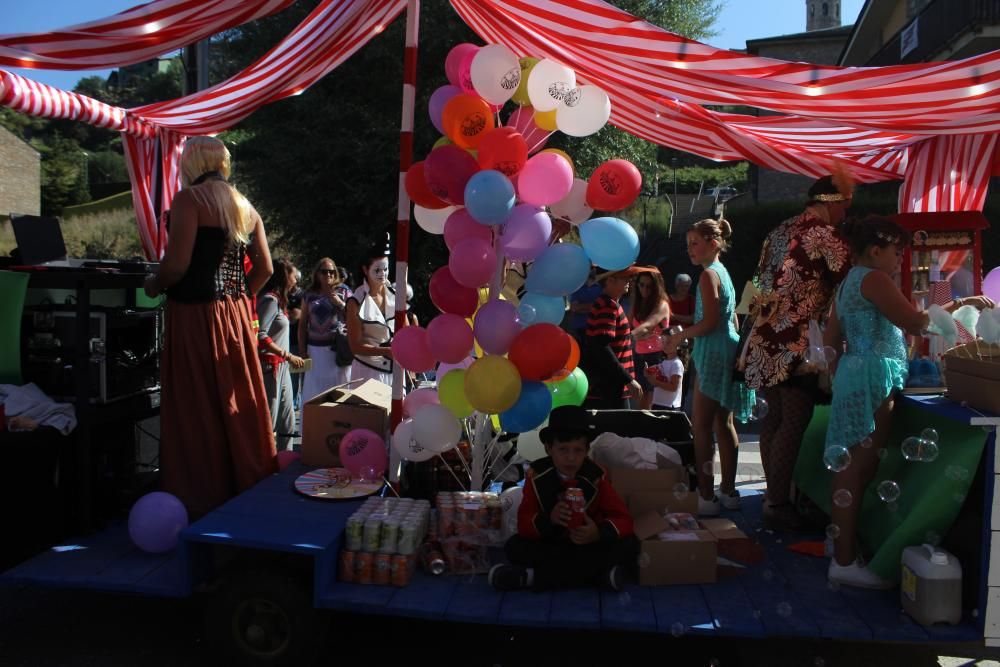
x=264, y=618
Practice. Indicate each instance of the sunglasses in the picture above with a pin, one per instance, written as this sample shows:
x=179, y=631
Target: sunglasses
x=328, y=272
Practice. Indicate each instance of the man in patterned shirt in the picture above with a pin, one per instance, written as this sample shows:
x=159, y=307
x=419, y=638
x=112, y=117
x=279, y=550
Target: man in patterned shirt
x=607, y=354
x=802, y=262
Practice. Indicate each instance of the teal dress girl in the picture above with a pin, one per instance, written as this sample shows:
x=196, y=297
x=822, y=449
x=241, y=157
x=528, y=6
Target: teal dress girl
x=715, y=353
x=873, y=367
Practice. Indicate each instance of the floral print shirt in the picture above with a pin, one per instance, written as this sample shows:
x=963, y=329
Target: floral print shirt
x=802, y=262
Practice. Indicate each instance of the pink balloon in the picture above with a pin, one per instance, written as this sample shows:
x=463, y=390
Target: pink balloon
x=496, y=326
x=465, y=73
x=362, y=448
x=449, y=337
x=526, y=233
x=451, y=297
x=454, y=60
x=417, y=399
x=447, y=169
x=460, y=225
x=472, y=262
x=443, y=368
x=411, y=351
x=523, y=120
x=545, y=179
x=286, y=457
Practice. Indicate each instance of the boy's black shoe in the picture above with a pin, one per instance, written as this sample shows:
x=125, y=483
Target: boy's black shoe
x=505, y=577
x=614, y=578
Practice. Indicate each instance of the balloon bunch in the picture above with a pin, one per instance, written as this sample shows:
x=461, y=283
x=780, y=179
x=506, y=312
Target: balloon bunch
x=492, y=191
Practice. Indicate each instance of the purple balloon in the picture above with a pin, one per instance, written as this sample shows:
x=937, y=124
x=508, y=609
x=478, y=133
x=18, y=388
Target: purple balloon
x=496, y=326
x=526, y=233
x=991, y=284
x=447, y=170
x=460, y=225
x=156, y=521
x=435, y=106
x=443, y=368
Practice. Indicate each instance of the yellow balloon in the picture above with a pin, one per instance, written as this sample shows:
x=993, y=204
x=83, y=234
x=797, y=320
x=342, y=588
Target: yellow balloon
x=451, y=393
x=546, y=120
x=442, y=141
x=564, y=155
x=492, y=384
x=521, y=94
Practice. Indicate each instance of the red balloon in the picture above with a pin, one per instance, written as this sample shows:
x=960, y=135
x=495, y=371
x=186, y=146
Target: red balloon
x=613, y=186
x=451, y=297
x=540, y=351
x=447, y=169
x=418, y=190
x=503, y=149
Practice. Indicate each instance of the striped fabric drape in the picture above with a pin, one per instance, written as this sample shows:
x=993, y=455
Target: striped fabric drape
x=142, y=155
x=131, y=36
x=949, y=173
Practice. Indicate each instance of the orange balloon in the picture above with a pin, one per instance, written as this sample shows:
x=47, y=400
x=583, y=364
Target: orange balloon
x=466, y=119
x=572, y=361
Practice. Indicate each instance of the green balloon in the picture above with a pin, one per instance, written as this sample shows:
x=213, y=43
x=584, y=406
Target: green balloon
x=451, y=393
x=571, y=390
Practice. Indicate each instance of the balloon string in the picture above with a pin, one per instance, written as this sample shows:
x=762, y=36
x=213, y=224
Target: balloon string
x=464, y=464
x=389, y=485
x=448, y=466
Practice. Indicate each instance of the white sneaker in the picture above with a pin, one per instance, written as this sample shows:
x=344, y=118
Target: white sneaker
x=856, y=575
x=709, y=507
x=730, y=501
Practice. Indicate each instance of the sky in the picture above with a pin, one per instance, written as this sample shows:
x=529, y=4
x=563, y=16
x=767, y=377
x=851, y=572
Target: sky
x=739, y=21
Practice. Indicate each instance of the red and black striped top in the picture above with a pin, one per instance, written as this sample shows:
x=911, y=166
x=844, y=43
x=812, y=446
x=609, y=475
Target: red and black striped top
x=607, y=320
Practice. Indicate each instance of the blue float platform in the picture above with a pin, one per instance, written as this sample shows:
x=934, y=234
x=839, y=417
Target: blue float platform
x=786, y=595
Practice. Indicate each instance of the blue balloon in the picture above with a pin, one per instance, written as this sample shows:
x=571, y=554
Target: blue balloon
x=561, y=269
x=531, y=409
x=610, y=243
x=546, y=308
x=489, y=197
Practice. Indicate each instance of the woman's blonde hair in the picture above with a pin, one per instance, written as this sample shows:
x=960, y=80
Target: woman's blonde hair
x=712, y=229
x=204, y=155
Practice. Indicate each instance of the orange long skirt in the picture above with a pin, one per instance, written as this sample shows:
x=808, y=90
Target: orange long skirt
x=216, y=437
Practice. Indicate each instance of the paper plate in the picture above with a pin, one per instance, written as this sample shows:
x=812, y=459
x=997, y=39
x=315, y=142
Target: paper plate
x=334, y=484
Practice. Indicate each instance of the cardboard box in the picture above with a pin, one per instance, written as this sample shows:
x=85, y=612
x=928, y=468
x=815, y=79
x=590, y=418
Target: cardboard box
x=326, y=418
x=972, y=374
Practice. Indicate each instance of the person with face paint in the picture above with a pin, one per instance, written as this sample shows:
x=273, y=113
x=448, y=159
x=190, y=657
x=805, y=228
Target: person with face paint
x=370, y=314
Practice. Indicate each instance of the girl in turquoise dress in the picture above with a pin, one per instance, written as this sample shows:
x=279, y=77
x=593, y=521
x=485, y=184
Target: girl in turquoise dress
x=717, y=396
x=870, y=314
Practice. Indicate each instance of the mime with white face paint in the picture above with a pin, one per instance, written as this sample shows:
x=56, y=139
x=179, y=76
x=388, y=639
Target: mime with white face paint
x=370, y=319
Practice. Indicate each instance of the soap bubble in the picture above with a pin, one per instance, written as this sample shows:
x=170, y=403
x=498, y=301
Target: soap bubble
x=975, y=613
x=888, y=491
x=956, y=473
x=526, y=314
x=708, y=468
x=911, y=449
x=759, y=409
x=815, y=356
x=624, y=599
x=677, y=629
x=836, y=458
x=929, y=434
x=882, y=349
x=867, y=443
x=714, y=662
x=367, y=474
x=829, y=355
x=784, y=609
x=919, y=237
x=643, y=559
x=959, y=496
x=882, y=453
x=842, y=498
x=833, y=531
x=680, y=490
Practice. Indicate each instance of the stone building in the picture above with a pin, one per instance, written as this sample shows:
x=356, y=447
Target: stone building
x=20, y=176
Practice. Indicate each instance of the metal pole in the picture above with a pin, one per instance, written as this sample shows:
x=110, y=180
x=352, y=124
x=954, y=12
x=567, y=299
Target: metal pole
x=403, y=210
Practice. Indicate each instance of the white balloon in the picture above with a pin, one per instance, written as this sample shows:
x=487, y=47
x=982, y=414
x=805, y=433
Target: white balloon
x=530, y=446
x=548, y=83
x=432, y=220
x=510, y=501
x=496, y=73
x=436, y=428
x=404, y=443
x=573, y=207
x=584, y=111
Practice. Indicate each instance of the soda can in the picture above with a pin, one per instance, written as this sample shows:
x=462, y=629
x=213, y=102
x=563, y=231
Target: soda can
x=382, y=575
x=400, y=571
x=364, y=563
x=432, y=558
x=346, y=566
x=574, y=498
x=389, y=536
x=446, y=521
x=408, y=538
x=372, y=534
x=483, y=517
x=355, y=532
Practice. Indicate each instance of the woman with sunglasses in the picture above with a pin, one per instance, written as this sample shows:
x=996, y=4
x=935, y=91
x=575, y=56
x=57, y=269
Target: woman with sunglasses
x=323, y=319
x=649, y=316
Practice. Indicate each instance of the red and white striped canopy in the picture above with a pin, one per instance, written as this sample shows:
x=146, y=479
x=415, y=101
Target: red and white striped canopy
x=132, y=36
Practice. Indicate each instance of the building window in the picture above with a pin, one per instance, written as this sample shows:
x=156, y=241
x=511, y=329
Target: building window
x=826, y=9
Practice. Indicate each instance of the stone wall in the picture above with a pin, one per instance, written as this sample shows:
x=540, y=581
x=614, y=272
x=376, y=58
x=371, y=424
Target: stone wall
x=20, y=176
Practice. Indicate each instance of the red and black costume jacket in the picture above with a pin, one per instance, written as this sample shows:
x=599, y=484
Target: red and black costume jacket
x=543, y=488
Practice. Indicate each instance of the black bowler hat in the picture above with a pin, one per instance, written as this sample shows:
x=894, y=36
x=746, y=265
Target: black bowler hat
x=567, y=422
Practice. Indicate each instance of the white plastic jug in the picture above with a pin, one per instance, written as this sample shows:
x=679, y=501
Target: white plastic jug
x=931, y=587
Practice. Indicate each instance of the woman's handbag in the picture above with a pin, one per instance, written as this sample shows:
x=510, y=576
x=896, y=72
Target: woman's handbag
x=342, y=349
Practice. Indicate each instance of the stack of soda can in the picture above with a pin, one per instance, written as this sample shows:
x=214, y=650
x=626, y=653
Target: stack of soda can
x=467, y=523
x=381, y=540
